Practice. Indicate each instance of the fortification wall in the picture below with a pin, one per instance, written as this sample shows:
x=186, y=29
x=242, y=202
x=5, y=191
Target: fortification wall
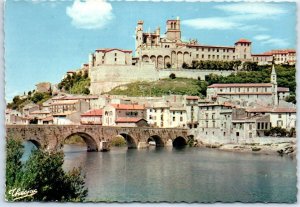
x=106, y=77
x=191, y=73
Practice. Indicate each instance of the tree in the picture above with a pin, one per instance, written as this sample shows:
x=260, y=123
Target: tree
x=172, y=76
x=168, y=65
x=43, y=173
x=185, y=65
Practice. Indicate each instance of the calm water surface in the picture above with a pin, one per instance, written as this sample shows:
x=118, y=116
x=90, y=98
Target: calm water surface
x=187, y=174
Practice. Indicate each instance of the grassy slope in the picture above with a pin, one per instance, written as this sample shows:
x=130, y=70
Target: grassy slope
x=180, y=86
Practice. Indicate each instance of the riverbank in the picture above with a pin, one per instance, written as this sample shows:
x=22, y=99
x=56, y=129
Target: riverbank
x=284, y=148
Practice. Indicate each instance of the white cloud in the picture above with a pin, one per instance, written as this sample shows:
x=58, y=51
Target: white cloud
x=240, y=16
x=211, y=23
x=90, y=14
x=262, y=37
x=255, y=9
x=268, y=40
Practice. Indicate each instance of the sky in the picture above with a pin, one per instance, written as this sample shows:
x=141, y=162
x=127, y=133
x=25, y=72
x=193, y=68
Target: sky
x=45, y=39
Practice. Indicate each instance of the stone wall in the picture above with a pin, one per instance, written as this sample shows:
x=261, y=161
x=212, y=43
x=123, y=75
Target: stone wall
x=106, y=77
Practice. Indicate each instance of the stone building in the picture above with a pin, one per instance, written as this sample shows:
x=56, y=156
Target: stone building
x=279, y=116
x=15, y=117
x=92, y=117
x=287, y=56
x=171, y=51
x=123, y=114
x=247, y=93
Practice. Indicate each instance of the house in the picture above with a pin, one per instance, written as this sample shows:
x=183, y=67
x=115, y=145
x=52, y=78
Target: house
x=47, y=120
x=93, y=116
x=192, y=111
x=113, y=112
x=284, y=117
x=27, y=109
x=15, y=117
x=131, y=122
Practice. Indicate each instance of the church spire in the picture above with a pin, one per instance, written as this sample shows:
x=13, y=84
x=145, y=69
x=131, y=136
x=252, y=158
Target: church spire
x=274, y=83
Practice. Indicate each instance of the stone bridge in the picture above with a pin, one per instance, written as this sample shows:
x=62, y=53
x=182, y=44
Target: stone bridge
x=97, y=138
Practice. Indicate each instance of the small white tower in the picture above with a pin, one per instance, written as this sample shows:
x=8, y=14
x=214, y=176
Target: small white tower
x=138, y=37
x=274, y=84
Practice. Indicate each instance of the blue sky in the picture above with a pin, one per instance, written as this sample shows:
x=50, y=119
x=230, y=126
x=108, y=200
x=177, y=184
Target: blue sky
x=43, y=40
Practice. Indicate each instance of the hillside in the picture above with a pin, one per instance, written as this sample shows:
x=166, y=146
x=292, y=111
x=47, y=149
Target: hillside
x=180, y=86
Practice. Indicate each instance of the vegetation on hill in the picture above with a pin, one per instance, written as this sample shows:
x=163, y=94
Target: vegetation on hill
x=185, y=86
x=36, y=97
x=41, y=174
x=77, y=83
x=286, y=77
x=173, y=85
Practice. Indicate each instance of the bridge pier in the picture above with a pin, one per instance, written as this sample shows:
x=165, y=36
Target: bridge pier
x=104, y=146
x=169, y=143
x=142, y=145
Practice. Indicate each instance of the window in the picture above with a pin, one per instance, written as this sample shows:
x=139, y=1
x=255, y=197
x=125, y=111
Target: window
x=250, y=135
x=237, y=134
x=181, y=119
x=208, y=56
x=217, y=50
x=206, y=124
x=202, y=56
x=258, y=125
x=197, y=55
x=224, y=134
x=250, y=126
x=213, y=116
x=214, y=124
x=279, y=123
x=173, y=118
x=279, y=116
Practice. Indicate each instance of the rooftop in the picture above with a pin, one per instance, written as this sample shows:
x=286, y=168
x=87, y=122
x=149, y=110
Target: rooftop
x=128, y=106
x=226, y=85
x=94, y=112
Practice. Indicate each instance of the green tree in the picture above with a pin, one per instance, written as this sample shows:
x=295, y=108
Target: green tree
x=42, y=172
x=172, y=76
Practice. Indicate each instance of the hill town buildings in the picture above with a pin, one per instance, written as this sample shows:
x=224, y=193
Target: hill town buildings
x=157, y=56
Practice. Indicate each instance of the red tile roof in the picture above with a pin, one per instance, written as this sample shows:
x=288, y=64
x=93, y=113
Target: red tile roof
x=243, y=41
x=49, y=118
x=192, y=97
x=128, y=106
x=244, y=93
x=105, y=50
x=283, y=89
x=271, y=110
x=225, y=85
x=128, y=120
x=214, y=46
x=94, y=112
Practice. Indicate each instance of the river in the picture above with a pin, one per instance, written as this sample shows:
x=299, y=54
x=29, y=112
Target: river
x=186, y=174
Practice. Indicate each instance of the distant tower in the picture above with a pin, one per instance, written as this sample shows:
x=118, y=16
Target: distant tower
x=173, y=29
x=138, y=37
x=242, y=49
x=274, y=83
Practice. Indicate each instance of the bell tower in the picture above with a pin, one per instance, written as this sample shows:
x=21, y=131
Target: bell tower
x=138, y=37
x=173, y=29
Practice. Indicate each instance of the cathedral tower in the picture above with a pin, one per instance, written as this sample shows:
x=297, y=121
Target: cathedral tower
x=173, y=30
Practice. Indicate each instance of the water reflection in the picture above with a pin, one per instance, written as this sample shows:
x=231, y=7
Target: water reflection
x=185, y=174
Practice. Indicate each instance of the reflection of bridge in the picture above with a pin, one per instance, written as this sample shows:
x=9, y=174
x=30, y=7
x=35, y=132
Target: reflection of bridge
x=97, y=138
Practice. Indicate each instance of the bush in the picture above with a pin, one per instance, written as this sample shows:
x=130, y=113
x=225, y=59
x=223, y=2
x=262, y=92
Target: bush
x=172, y=76
x=43, y=174
x=118, y=141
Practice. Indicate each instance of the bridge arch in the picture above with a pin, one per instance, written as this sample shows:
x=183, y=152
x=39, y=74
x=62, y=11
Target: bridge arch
x=157, y=139
x=90, y=142
x=179, y=141
x=131, y=142
x=35, y=142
